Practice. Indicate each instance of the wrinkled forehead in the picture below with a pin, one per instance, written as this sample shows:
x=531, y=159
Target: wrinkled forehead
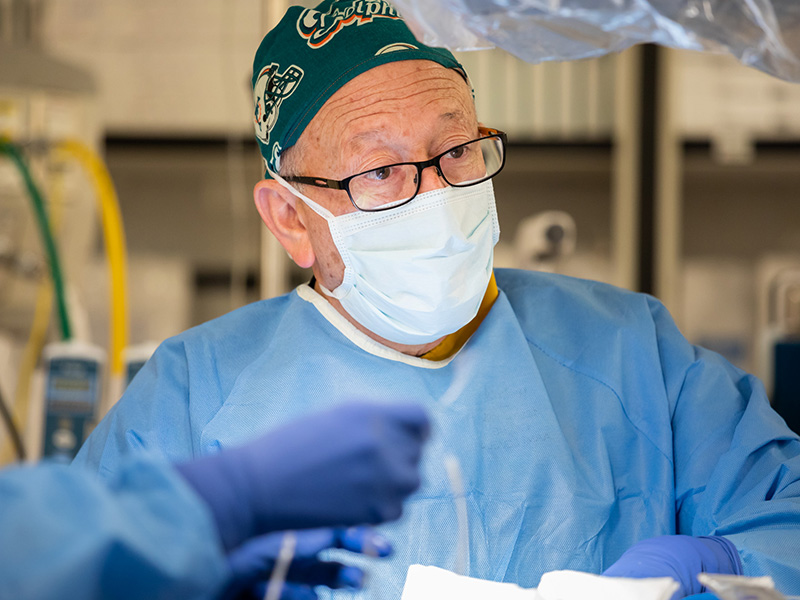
x=394, y=100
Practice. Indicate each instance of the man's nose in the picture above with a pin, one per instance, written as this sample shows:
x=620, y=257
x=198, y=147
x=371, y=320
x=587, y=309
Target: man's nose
x=431, y=180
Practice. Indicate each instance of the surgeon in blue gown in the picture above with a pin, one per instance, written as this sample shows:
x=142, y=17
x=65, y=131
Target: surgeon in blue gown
x=591, y=435
x=204, y=528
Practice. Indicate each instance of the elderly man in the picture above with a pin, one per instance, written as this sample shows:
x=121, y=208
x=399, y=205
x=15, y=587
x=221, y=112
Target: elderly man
x=590, y=434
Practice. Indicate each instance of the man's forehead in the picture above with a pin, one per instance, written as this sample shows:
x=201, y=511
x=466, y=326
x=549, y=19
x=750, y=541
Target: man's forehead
x=402, y=90
x=444, y=121
x=398, y=82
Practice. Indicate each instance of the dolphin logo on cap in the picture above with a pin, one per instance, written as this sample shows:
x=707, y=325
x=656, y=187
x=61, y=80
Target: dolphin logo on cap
x=319, y=27
x=269, y=92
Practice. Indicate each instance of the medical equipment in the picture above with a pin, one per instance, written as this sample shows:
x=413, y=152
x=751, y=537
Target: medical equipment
x=259, y=558
x=11, y=426
x=453, y=469
x=134, y=358
x=115, y=244
x=43, y=301
x=73, y=387
x=48, y=124
x=730, y=587
x=48, y=127
x=45, y=231
x=778, y=330
x=785, y=350
x=114, y=237
x=544, y=240
x=278, y=577
x=786, y=394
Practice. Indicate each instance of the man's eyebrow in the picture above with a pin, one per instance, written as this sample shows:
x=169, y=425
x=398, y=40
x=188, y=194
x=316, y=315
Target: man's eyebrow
x=365, y=135
x=458, y=115
x=363, y=139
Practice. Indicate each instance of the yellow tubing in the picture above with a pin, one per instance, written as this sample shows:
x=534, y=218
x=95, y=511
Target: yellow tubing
x=116, y=253
x=30, y=356
x=41, y=323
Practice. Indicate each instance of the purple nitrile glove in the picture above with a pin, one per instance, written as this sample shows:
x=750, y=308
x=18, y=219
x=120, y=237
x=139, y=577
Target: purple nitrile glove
x=354, y=464
x=681, y=557
x=252, y=563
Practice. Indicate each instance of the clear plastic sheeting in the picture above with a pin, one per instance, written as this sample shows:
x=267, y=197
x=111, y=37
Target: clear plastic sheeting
x=764, y=34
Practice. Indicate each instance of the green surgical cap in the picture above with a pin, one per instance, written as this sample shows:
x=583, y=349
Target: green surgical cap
x=313, y=52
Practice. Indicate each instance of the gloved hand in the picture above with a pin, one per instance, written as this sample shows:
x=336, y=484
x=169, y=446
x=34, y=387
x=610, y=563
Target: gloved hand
x=681, y=557
x=354, y=464
x=252, y=563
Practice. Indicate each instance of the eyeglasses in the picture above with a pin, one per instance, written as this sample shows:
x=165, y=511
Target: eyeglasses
x=397, y=184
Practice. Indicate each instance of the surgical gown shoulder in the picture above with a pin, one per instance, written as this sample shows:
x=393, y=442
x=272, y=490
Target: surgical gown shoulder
x=229, y=343
x=183, y=385
x=549, y=295
x=569, y=317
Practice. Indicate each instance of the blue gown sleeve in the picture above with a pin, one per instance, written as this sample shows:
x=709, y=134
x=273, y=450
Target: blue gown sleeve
x=144, y=534
x=736, y=463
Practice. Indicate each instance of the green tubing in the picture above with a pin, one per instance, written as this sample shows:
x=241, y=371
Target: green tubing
x=47, y=236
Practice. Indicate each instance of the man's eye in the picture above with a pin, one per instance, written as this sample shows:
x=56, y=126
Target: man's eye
x=457, y=152
x=380, y=174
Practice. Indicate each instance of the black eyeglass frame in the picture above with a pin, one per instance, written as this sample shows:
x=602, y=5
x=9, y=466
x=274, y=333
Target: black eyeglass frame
x=344, y=184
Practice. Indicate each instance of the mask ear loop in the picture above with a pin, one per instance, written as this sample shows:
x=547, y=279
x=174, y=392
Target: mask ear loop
x=320, y=210
x=323, y=212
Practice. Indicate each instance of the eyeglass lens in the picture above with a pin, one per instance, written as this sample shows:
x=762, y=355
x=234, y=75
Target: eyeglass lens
x=463, y=165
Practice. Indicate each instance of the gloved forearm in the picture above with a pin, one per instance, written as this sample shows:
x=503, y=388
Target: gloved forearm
x=351, y=465
x=681, y=557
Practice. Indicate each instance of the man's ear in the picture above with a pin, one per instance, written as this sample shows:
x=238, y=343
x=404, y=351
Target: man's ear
x=278, y=209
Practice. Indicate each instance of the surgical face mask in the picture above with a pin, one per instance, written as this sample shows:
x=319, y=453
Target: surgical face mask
x=418, y=272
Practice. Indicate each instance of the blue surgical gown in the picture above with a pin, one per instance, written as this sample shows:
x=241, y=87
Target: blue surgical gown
x=141, y=534
x=582, y=419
